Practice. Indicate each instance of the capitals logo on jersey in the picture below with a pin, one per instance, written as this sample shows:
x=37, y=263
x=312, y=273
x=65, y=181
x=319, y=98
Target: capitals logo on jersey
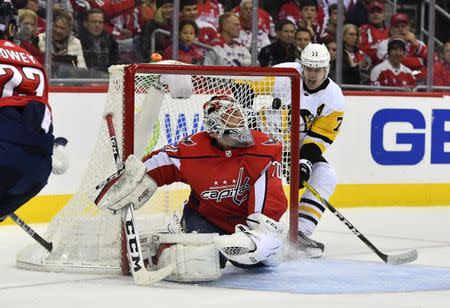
x=237, y=190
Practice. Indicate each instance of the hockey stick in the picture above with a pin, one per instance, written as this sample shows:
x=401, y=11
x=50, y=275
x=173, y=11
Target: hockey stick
x=134, y=251
x=110, y=178
x=145, y=123
x=389, y=259
x=47, y=245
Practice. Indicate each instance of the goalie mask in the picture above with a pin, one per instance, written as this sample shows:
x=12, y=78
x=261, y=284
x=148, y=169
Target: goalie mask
x=224, y=120
x=315, y=65
x=8, y=20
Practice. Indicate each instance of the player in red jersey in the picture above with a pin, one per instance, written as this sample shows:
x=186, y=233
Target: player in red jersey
x=235, y=178
x=26, y=132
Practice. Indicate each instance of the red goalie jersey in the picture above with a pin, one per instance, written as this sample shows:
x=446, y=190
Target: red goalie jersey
x=226, y=185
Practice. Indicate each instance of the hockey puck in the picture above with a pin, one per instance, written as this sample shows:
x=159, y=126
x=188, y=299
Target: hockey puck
x=276, y=103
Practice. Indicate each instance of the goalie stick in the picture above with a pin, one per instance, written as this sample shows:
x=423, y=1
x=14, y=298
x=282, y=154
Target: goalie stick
x=145, y=123
x=47, y=245
x=110, y=178
x=389, y=259
x=134, y=252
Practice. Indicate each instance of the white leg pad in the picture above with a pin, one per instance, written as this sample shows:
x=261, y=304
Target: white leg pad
x=196, y=256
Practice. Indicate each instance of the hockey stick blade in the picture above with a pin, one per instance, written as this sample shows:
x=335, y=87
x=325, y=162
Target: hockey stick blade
x=134, y=252
x=389, y=259
x=146, y=278
x=402, y=258
x=47, y=245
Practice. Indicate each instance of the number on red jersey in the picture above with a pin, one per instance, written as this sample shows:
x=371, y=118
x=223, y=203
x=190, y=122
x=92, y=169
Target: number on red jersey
x=22, y=77
x=21, y=81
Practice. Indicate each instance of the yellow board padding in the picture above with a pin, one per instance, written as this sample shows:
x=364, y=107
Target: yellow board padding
x=42, y=208
x=354, y=195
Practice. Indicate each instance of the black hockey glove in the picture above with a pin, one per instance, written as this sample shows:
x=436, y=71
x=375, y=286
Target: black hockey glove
x=305, y=171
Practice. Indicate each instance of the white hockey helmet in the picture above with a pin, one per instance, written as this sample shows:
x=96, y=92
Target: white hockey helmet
x=316, y=55
x=224, y=116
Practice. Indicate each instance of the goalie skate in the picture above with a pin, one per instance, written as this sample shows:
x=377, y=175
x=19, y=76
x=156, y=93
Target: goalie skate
x=310, y=247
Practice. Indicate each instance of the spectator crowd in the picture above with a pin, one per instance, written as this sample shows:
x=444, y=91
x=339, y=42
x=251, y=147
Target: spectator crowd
x=88, y=36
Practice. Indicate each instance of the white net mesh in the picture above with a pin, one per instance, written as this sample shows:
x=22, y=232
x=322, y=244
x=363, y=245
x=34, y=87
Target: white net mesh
x=86, y=239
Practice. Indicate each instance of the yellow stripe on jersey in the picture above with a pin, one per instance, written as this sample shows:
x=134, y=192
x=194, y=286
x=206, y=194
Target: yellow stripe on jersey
x=325, y=129
x=310, y=210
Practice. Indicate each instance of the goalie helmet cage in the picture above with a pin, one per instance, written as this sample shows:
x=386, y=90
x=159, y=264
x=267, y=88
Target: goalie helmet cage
x=88, y=240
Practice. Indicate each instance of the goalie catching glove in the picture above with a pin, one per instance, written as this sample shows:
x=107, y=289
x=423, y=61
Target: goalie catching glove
x=260, y=241
x=133, y=186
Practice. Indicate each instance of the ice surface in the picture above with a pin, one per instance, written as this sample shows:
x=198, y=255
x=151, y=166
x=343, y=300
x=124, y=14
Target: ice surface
x=349, y=275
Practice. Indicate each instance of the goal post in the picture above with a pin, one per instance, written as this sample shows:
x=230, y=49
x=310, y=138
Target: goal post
x=86, y=239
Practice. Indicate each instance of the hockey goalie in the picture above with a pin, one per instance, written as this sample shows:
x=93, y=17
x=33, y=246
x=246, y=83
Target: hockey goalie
x=236, y=198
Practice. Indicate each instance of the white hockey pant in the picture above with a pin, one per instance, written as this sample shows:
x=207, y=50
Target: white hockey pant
x=323, y=179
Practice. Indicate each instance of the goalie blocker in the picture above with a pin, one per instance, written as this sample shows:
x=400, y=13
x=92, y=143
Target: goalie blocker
x=133, y=186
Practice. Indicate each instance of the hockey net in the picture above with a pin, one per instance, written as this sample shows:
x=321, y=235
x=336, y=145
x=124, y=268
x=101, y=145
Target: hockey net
x=86, y=239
